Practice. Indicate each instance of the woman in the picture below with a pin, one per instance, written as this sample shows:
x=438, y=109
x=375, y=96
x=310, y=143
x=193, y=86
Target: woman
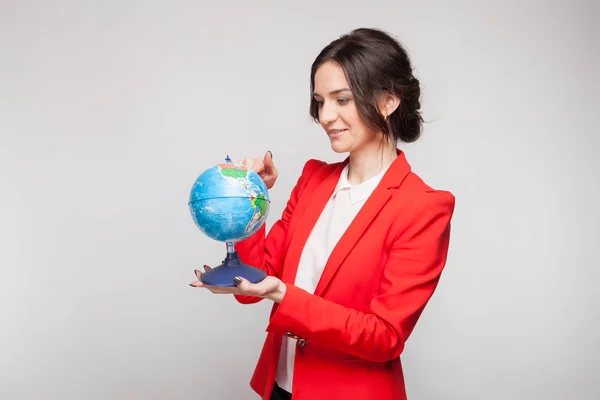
x=361, y=244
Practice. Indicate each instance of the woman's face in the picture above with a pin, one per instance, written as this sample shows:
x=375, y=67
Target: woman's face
x=338, y=114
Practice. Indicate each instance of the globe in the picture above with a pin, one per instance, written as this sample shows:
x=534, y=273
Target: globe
x=228, y=203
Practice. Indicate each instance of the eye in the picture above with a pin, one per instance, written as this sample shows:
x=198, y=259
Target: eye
x=319, y=103
x=343, y=102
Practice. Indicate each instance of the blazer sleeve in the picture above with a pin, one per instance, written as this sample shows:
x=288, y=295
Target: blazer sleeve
x=411, y=273
x=263, y=250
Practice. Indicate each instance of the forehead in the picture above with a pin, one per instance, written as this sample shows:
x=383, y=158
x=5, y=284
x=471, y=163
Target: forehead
x=329, y=77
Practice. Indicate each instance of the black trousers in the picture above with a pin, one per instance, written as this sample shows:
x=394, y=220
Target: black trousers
x=280, y=394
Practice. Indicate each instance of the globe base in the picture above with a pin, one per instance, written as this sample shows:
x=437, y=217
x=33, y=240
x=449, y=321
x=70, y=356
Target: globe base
x=222, y=275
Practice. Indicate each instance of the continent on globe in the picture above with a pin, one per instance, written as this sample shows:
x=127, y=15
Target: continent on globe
x=233, y=170
x=257, y=200
x=260, y=211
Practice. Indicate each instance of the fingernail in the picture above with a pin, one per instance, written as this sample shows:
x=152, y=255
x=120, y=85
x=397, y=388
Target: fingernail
x=237, y=280
x=270, y=153
x=192, y=285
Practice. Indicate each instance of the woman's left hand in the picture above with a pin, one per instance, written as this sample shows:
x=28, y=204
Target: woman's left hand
x=270, y=288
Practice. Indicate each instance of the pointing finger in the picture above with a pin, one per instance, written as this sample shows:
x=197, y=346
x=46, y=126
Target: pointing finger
x=268, y=161
x=271, y=173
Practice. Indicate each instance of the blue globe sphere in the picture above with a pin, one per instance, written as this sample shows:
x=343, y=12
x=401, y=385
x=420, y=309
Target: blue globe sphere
x=229, y=202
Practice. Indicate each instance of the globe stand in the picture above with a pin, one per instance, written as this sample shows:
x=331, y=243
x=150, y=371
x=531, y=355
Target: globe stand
x=232, y=266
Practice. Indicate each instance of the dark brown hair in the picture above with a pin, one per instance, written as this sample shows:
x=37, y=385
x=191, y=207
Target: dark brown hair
x=375, y=63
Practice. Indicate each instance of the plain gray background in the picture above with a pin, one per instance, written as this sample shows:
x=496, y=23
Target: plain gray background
x=109, y=111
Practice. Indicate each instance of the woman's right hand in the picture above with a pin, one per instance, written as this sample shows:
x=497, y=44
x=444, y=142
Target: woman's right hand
x=264, y=167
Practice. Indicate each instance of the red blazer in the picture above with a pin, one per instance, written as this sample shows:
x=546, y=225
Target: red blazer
x=373, y=289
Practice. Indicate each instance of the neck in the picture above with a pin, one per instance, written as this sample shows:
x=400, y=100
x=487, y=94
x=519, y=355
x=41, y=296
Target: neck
x=367, y=162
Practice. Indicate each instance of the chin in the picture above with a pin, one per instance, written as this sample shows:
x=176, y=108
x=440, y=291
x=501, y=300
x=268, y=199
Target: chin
x=340, y=147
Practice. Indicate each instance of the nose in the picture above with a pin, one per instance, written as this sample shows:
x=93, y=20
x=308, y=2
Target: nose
x=328, y=113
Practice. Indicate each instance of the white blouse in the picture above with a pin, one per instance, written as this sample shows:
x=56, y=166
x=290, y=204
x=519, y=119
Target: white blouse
x=345, y=202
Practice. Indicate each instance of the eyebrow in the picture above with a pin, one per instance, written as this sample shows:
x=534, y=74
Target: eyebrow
x=333, y=91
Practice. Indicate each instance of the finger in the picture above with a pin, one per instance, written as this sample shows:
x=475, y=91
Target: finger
x=243, y=284
x=215, y=289
x=268, y=162
x=197, y=273
x=207, y=268
x=271, y=173
x=268, y=158
x=228, y=290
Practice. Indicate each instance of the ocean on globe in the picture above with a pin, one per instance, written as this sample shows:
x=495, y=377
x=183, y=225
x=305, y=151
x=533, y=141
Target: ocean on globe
x=229, y=202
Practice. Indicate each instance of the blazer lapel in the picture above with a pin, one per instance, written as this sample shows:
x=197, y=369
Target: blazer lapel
x=380, y=196
x=314, y=201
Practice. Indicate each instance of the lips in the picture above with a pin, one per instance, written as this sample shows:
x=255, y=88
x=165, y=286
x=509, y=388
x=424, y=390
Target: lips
x=335, y=131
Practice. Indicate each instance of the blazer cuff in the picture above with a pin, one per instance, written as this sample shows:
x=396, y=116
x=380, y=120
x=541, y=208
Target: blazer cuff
x=287, y=318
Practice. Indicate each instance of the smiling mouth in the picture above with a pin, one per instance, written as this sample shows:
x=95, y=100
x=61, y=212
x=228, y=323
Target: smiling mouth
x=335, y=131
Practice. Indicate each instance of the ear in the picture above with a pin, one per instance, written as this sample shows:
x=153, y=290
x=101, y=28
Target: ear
x=388, y=103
